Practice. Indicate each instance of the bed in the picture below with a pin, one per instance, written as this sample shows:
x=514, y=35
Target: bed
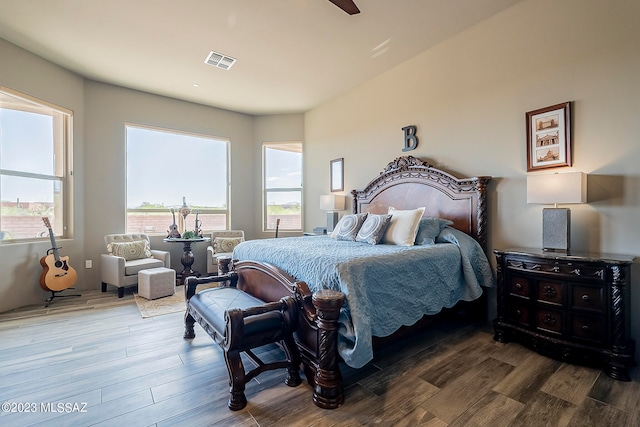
x=352, y=293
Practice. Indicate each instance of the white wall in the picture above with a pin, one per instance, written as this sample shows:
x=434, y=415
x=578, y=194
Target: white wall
x=468, y=97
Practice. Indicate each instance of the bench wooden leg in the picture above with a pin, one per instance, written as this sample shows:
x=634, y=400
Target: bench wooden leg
x=237, y=399
x=292, y=354
x=189, y=322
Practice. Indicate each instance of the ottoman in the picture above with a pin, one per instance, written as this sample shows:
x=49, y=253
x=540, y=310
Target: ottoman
x=156, y=282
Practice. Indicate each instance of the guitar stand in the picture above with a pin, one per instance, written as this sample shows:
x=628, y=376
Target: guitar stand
x=54, y=295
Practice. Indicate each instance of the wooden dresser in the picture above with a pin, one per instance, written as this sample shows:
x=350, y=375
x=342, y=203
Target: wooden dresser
x=573, y=307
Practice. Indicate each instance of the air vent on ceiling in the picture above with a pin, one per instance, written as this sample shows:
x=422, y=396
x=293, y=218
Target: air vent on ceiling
x=219, y=60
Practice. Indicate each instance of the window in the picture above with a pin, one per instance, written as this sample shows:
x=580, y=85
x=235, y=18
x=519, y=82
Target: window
x=35, y=168
x=163, y=166
x=283, y=186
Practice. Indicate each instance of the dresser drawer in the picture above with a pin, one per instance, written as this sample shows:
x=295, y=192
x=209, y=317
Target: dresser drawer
x=593, y=272
x=577, y=270
x=588, y=298
x=519, y=286
x=549, y=320
x=588, y=328
x=518, y=312
x=551, y=292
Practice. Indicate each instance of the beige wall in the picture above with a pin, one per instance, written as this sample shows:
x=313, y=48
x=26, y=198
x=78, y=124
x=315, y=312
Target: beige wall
x=272, y=128
x=100, y=114
x=20, y=263
x=468, y=97
x=108, y=108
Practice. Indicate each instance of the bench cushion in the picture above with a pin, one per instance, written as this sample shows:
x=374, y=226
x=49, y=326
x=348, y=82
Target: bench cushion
x=212, y=303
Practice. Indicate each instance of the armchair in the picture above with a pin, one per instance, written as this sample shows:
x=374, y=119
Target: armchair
x=222, y=244
x=127, y=254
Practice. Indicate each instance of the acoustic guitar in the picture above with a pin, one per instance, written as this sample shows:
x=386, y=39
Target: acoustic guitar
x=57, y=274
x=173, y=228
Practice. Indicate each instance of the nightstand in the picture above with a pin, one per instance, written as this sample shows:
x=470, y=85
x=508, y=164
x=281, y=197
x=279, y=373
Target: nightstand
x=572, y=307
x=313, y=234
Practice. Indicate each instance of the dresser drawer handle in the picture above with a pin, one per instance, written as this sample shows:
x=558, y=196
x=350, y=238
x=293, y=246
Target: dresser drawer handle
x=550, y=292
x=518, y=286
x=518, y=313
x=586, y=297
x=549, y=319
x=585, y=328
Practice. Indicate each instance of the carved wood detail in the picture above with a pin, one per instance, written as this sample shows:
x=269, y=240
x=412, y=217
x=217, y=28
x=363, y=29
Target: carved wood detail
x=408, y=169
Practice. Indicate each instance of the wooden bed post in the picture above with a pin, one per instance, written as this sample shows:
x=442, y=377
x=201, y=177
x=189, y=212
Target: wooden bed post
x=327, y=391
x=481, y=212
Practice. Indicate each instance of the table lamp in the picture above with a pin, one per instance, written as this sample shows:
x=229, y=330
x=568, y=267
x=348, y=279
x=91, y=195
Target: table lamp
x=332, y=203
x=553, y=189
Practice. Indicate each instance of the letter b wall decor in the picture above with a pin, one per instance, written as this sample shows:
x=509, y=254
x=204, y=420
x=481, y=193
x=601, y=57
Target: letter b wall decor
x=410, y=138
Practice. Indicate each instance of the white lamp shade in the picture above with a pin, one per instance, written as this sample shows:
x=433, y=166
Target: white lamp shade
x=332, y=202
x=557, y=188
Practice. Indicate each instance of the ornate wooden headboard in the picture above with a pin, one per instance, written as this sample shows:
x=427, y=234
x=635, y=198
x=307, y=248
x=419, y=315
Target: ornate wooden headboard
x=409, y=183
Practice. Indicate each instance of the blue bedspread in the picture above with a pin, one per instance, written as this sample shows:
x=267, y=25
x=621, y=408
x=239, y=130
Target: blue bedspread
x=386, y=286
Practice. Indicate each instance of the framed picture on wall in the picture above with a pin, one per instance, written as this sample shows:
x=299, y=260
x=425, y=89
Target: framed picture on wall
x=337, y=174
x=549, y=137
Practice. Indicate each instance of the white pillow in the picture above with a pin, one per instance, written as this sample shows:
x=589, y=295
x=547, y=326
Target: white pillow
x=403, y=226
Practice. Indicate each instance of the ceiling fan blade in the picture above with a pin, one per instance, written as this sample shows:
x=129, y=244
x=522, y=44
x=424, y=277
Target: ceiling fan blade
x=347, y=5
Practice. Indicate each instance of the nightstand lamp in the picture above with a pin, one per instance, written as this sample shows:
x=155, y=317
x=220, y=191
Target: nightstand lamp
x=554, y=189
x=332, y=203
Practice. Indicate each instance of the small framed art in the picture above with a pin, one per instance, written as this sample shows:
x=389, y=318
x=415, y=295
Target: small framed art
x=337, y=174
x=549, y=137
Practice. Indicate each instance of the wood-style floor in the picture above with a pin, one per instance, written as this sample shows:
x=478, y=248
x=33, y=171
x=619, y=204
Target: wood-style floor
x=94, y=360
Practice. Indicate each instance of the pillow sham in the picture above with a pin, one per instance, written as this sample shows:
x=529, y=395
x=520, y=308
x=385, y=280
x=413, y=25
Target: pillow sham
x=136, y=249
x=348, y=227
x=373, y=229
x=449, y=235
x=429, y=228
x=403, y=226
x=223, y=245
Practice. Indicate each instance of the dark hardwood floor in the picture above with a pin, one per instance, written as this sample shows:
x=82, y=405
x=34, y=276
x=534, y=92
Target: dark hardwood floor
x=94, y=360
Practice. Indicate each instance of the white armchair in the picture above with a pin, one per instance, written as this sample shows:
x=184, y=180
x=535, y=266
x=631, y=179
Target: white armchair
x=222, y=244
x=126, y=255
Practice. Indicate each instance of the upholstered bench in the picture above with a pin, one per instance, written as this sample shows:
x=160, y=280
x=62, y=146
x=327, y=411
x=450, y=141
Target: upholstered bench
x=156, y=282
x=239, y=322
